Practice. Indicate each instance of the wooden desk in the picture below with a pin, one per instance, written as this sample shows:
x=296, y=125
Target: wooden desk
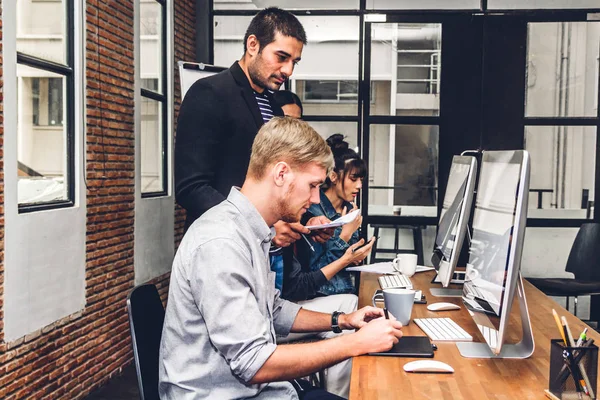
x=384, y=378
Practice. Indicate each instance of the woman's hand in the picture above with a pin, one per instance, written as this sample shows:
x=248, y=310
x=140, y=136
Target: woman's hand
x=356, y=254
x=350, y=227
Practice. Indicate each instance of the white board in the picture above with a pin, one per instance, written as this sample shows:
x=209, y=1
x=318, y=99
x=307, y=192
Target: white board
x=190, y=72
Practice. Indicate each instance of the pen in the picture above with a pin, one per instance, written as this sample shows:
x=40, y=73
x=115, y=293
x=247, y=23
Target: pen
x=582, y=338
x=385, y=311
x=307, y=242
x=584, y=380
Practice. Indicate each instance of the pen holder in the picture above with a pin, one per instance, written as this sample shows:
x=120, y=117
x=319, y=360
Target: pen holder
x=573, y=371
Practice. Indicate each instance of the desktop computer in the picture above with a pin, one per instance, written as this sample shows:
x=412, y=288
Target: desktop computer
x=493, y=272
x=453, y=223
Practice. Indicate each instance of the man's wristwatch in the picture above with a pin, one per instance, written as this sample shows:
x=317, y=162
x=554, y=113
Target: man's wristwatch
x=335, y=327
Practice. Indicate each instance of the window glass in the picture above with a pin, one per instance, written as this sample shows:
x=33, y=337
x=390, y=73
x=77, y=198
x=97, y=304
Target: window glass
x=151, y=39
x=562, y=69
x=403, y=168
x=41, y=136
x=41, y=29
x=151, y=144
x=348, y=129
x=330, y=55
x=563, y=160
x=406, y=63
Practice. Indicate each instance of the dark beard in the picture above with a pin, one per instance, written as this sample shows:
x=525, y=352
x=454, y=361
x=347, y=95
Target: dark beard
x=253, y=71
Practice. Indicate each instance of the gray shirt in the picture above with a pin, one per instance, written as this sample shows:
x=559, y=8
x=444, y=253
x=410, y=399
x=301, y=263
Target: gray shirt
x=223, y=311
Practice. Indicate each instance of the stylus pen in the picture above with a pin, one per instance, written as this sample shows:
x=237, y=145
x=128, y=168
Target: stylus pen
x=307, y=242
x=385, y=311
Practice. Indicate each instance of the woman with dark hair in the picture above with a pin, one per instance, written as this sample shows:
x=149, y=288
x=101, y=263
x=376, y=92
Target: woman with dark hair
x=338, y=194
x=289, y=102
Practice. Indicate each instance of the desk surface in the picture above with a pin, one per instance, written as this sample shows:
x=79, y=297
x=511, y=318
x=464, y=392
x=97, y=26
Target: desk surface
x=383, y=377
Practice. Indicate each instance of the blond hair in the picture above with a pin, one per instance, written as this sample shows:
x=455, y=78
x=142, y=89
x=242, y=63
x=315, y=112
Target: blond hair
x=290, y=140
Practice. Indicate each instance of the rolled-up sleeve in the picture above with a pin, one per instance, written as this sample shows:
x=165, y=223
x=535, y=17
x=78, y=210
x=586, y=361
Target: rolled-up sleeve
x=223, y=285
x=284, y=314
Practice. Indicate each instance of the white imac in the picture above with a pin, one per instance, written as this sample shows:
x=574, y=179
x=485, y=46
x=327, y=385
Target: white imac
x=453, y=224
x=493, y=272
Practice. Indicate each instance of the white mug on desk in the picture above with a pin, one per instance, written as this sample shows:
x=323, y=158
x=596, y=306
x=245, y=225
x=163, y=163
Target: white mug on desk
x=406, y=264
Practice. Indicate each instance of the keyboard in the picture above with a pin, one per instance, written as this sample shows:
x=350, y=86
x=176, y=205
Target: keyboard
x=395, y=281
x=481, y=293
x=443, y=330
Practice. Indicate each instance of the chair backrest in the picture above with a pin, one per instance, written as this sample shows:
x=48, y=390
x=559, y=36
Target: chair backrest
x=146, y=317
x=584, y=258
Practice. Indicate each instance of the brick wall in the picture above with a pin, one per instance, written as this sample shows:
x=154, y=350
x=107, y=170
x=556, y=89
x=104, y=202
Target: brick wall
x=79, y=353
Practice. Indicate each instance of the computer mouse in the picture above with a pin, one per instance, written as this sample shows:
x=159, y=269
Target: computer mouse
x=443, y=307
x=428, y=366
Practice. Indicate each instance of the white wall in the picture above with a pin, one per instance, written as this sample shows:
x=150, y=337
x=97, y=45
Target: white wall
x=154, y=217
x=44, y=251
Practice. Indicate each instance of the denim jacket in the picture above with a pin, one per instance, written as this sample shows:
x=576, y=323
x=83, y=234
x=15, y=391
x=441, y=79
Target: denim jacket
x=332, y=250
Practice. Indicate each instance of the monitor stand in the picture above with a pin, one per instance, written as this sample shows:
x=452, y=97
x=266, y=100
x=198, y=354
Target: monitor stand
x=449, y=292
x=523, y=349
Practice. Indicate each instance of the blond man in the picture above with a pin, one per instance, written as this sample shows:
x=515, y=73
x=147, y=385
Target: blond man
x=223, y=313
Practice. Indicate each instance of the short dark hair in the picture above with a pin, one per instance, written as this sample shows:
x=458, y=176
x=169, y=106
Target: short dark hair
x=267, y=22
x=285, y=97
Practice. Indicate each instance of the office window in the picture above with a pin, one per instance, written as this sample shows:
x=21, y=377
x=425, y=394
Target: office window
x=45, y=92
x=154, y=132
x=561, y=118
x=49, y=93
x=329, y=91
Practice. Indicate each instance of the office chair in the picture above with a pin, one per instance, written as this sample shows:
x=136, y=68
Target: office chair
x=146, y=317
x=583, y=262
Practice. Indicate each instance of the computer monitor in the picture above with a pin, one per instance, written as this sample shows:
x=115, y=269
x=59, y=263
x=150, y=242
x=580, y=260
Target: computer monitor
x=454, y=219
x=493, y=271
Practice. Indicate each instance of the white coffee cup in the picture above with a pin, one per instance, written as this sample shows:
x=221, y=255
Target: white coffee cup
x=406, y=264
x=399, y=302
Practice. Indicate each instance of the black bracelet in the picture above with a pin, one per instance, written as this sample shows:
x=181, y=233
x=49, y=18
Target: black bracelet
x=335, y=327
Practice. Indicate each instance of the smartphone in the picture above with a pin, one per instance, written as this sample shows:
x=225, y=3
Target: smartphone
x=366, y=243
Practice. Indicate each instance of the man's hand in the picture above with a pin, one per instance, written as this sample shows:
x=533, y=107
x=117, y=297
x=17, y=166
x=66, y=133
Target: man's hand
x=320, y=235
x=286, y=233
x=359, y=318
x=377, y=336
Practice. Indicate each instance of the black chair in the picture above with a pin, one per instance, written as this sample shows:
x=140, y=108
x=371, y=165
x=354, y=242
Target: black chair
x=377, y=251
x=583, y=262
x=146, y=318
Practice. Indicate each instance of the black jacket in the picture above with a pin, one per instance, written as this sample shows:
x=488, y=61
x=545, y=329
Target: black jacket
x=299, y=282
x=218, y=120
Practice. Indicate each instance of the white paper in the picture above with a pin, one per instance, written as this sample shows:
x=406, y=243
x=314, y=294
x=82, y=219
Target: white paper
x=351, y=216
x=378, y=268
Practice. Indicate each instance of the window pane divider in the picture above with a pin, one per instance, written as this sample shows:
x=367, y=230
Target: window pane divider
x=45, y=65
x=553, y=121
x=154, y=95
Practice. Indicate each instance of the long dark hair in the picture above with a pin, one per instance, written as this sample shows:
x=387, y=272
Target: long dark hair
x=346, y=160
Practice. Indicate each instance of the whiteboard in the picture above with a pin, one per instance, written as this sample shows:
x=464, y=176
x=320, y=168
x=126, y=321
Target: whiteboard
x=190, y=72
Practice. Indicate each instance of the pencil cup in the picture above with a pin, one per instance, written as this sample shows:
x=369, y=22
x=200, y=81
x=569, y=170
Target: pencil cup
x=573, y=371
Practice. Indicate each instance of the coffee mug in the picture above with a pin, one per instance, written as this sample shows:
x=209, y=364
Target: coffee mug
x=399, y=302
x=406, y=264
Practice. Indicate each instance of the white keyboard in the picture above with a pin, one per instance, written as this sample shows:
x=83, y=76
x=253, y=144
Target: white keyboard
x=395, y=281
x=443, y=330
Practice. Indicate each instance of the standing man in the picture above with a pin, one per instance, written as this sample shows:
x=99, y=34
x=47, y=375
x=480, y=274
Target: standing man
x=223, y=314
x=221, y=115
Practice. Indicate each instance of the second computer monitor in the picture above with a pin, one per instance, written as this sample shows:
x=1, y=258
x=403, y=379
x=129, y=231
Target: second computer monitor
x=493, y=271
x=454, y=218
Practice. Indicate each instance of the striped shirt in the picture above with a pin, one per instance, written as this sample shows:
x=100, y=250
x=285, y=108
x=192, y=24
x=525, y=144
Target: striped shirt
x=264, y=105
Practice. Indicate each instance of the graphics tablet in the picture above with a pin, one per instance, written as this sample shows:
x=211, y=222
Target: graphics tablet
x=410, y=346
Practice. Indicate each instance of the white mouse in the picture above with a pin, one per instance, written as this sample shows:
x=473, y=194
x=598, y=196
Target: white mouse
x=428, y=366
x=443, y=307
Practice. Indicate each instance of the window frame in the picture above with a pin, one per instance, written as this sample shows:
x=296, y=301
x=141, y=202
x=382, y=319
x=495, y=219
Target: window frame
x=162, y=99
x=66, y=70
